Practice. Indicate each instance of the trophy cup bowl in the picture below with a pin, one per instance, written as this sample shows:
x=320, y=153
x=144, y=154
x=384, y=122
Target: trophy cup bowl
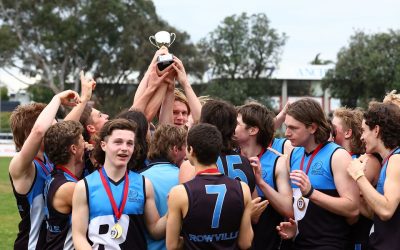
x=163, y=38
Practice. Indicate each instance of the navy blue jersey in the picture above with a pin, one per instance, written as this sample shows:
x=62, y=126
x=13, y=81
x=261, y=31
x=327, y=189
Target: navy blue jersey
x=101, y=215
x=59, y=234
x=215, y=211
x=237, y=167
x=385, y=234
x=318, y=228
x=265, y=234
x=32, y=228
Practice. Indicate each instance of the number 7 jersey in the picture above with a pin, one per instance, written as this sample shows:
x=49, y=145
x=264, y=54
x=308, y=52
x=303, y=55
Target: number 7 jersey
x=216, y=206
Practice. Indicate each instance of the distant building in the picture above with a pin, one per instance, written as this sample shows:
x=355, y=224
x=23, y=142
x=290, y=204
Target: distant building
x=304, y=75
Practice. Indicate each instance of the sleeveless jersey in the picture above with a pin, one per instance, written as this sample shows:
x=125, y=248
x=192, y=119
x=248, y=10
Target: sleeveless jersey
x=237, y=167
x=318, y=228
x=163, y=175
x=265, y=234
x=101, y=216
x=385, y=234
x=32, y=228
x=279, y=144
x=216, y=227
x=59, y=234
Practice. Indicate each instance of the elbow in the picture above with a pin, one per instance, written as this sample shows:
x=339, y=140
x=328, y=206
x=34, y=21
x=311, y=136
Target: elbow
x=385, y=215
x=353, y=214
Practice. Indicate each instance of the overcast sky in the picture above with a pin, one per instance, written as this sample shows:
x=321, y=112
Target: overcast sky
x=313, y=26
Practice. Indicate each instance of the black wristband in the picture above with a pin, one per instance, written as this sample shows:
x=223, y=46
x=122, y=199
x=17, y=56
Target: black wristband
x=307, y=195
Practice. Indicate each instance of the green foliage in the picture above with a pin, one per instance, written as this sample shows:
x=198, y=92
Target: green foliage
x=8, y=209
x=5, y=122
x=55, y=39
x=243, y=47
x=40, y=93
x=368, y=68
x=4, y=94
x=241, y=90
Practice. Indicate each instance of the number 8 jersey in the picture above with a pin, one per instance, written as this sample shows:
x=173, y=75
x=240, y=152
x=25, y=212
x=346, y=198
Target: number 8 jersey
x=214, y=215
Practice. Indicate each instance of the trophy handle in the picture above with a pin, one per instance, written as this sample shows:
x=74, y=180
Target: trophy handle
x=172, y=39
x=151, y=41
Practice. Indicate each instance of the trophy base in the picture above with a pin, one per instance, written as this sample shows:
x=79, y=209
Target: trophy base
x=164, y=61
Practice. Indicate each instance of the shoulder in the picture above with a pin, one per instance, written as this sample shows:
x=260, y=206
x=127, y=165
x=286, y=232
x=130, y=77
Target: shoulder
x=340, y=154
x=178, y=195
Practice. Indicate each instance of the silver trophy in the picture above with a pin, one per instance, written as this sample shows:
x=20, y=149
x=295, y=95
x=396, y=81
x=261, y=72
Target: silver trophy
x=163, y=38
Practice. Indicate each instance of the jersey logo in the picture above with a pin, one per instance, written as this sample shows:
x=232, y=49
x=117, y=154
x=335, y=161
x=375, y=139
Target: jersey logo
x=317, y=169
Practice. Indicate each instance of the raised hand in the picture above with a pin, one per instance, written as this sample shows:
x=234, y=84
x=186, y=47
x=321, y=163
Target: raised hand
x=87, y=87
x=180, y=71
x=69, y=98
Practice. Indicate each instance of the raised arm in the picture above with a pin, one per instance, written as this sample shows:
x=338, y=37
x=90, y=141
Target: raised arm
x=21, y=168
x=166, y=112
x=87, y=87
x=194, y=103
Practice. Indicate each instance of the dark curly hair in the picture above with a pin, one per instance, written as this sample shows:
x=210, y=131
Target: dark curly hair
x=387, y=117
x=257, y=115
x=59, y=138
x=108, y=128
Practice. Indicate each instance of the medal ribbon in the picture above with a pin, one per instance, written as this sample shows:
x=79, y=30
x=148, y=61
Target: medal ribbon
x=41, y=163
x=311, y=158
x=66, y=170
x=106, y=184
x=262, y=152
x=208, y=171
x=387, y=157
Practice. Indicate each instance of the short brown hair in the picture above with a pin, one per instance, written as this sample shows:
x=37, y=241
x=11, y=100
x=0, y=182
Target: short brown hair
x=308, y=111
x=22, y=120
x=85, y=120
x=58, y=138
x=352, y=119
x=180, y=97
x=164, y=139
x=257, y=115
x=108, y=128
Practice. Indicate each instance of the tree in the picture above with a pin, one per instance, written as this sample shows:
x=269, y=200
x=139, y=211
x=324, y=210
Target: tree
x=4, y=94
x=55, y=39
x=368, y=68
x=319, y=61
x=243, y=47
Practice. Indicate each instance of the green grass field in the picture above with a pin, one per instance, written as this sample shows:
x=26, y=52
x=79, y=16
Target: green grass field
x=9, y=217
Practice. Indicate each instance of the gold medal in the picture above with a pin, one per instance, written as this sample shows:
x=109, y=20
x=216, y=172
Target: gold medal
x=116, y=231
x=301, y=204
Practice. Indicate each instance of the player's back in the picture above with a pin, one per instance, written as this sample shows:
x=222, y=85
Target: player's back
x=214, y=214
